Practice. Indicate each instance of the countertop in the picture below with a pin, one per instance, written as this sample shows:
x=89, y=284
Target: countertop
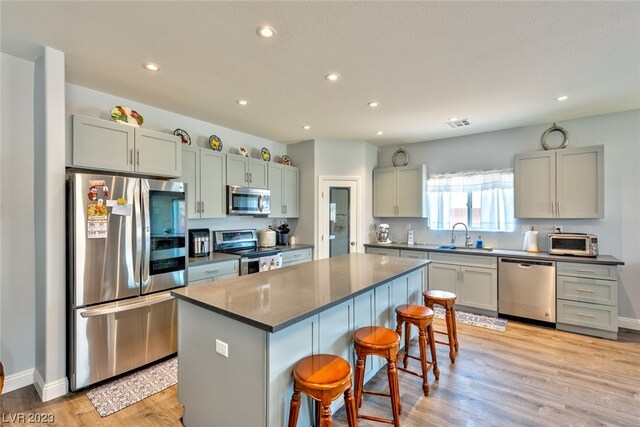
x=601, y=259
x=214, y=257
x=275, y=299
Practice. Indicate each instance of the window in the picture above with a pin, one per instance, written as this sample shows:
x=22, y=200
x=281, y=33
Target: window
x=482, y=200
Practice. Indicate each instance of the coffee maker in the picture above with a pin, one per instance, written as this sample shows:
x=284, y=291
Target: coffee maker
x=382, y=235
x=199, y=242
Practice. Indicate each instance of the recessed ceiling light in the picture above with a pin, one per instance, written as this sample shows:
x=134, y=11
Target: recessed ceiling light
x=242, y=101
x=453, y=119
x=373, y=104
x=562, y=98
x=266, y=31
x=332, y=77
x=306, y=127
x=379, y=132
x=151, y=66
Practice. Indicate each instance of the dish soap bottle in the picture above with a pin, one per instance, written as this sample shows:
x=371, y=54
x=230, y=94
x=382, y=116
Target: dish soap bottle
x=479, y=242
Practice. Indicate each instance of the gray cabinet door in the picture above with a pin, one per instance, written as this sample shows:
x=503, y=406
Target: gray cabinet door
x=291, y=191
x=157, y=153
x=478, y=288
x=212, y=184
x=100, y=144
x=237, y=170
x=276, y=186
x=191, y=176
x=444, y=277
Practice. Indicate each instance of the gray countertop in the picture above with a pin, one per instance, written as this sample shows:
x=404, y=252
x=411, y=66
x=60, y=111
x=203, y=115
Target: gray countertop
x=214, y=257
x=275, y=299
x=601, y=259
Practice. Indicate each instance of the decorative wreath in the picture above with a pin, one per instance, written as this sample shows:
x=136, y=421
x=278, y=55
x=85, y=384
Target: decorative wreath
x=394, y=159
x=555, y=128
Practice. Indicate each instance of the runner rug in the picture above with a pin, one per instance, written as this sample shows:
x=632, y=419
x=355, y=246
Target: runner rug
x=487, y=322
x=118, y=394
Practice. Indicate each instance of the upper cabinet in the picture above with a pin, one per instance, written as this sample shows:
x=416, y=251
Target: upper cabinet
x=246, y=172
x=400, y=192
x=284, y=184
x=104, y=145
x=204, y=172
x=566, y=183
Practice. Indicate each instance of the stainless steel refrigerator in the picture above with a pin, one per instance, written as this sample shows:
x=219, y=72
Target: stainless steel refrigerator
x=126, y=248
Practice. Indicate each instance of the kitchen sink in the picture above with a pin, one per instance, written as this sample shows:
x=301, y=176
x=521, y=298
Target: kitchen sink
x=453, y=248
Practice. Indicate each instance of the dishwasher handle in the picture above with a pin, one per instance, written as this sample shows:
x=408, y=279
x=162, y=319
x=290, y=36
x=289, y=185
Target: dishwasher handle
x=526, y=263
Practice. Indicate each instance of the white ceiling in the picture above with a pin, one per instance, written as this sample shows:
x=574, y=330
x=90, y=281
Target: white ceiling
x=498, y=64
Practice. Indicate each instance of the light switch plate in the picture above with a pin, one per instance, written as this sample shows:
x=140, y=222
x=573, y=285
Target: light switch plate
x=222, y=348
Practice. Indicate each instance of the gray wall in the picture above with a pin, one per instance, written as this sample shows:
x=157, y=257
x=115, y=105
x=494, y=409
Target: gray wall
x=17, y=242
x=618, y=231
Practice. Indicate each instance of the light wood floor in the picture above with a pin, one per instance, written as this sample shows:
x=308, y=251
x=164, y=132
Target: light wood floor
x=527, y=376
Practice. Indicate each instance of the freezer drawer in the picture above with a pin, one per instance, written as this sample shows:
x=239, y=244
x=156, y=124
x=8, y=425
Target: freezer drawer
x=110, y=339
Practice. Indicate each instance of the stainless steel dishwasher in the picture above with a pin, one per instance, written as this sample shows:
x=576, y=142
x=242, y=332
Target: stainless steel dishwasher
x=527, y=289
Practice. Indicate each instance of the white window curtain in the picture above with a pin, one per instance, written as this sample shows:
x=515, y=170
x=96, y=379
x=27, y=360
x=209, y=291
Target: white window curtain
x=494, y=190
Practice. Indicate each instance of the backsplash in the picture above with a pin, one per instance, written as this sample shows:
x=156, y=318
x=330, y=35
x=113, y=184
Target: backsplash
x=398, y=228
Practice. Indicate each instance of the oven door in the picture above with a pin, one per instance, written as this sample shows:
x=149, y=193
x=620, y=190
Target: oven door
x=256, y=264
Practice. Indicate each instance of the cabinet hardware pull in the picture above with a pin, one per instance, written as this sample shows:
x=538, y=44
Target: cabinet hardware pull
x=202, y=207
x=553, y=209
x=584, y=271
x=586, y=290
x=197, y=207
x=212, y=271
x=138, y=157
x=131, y=156
x=558, y=209
x=585, y=315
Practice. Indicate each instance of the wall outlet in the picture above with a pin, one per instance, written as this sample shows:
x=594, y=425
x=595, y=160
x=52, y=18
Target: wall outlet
x=525, y=228
x=557, y=229
x=222, y=348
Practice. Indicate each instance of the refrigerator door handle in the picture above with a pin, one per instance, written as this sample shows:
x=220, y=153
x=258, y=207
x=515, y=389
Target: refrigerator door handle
x=125, y=306
x=145, y=233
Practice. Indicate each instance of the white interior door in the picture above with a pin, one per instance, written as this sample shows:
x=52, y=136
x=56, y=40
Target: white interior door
x=339, y=229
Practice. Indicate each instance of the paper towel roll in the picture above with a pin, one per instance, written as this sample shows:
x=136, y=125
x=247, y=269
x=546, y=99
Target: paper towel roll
x=530, y=243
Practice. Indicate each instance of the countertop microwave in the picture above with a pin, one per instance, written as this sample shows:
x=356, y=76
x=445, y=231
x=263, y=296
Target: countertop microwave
x=573, y=244
x=248, y=201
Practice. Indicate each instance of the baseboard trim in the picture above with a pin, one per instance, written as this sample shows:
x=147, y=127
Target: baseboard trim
x=48, y=391
x=18, y=380
x=629, y=323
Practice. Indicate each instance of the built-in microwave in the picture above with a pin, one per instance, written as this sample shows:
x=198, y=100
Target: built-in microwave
x=573, y=244
x=248, y=201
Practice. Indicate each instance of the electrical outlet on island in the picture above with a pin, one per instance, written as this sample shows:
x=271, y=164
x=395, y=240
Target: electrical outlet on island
x=222, y=348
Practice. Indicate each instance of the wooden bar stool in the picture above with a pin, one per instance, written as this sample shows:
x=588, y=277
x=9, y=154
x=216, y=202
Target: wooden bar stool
x=323, y=377
x=446, y=300
x=422, y=318
x=383, y=342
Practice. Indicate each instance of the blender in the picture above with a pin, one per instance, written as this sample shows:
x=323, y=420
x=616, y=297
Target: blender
x=382, y=235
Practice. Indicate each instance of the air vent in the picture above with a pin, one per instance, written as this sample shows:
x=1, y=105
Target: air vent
x=458, y=123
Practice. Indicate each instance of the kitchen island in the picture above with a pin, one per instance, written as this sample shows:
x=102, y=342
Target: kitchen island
x=268, y=321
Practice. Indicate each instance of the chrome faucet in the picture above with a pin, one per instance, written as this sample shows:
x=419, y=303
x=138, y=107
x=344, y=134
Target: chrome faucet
x=467, y=238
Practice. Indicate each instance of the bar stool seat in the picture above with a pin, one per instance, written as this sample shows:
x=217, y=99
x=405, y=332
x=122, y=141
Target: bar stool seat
x=422, y=318
x=323, y=377
x=446, y=300
x=385, y=343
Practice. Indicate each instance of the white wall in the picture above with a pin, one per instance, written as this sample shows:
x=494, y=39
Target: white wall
x=619, y=231
x=17, y=242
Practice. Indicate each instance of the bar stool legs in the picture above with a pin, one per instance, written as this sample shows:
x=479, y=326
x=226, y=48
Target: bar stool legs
x=383, y=342
x=323, y=377
x=446, y=300
x=422, y=318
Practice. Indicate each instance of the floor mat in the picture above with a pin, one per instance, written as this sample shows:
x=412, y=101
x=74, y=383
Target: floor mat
x=118, y=394
x=487, y=322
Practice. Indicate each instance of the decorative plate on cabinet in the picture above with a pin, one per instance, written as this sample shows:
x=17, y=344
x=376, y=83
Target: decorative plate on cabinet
x=184, y=136
x=266, y=155
x=215, y=143
x=286, y=160
x=244, y=152
x=126, y=116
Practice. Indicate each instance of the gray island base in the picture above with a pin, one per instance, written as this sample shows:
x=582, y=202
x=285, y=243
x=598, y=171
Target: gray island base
x=269, y=321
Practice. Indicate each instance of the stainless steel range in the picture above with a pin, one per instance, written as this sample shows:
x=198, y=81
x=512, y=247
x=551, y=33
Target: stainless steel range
x=253, y=259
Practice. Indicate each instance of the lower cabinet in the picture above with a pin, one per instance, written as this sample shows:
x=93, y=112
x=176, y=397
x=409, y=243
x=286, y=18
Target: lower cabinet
x=296, y=256
x=473, y=278
x=205, y=273
x=587, y=299
x=382, y=251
